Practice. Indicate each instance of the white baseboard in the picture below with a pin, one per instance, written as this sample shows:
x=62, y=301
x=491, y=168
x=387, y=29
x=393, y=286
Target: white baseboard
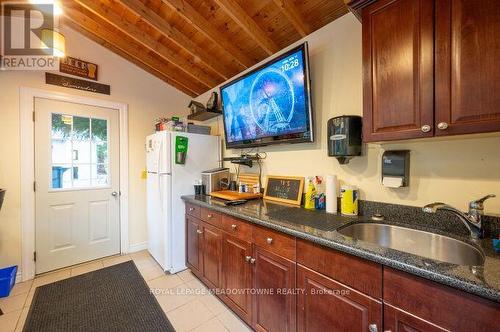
x=138, y=246
x=19, y=277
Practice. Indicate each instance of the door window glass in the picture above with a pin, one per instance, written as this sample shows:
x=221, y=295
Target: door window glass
x=79, y=152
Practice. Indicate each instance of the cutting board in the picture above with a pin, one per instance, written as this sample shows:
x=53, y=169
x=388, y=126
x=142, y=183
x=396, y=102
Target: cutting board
x=234, y=195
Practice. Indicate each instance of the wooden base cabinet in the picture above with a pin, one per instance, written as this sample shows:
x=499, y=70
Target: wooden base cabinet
x=193, y=231
x=211, y=242
x=274, y=303
x=277, y=283
x=396, y=320
x=237, y=275
x=327, y=305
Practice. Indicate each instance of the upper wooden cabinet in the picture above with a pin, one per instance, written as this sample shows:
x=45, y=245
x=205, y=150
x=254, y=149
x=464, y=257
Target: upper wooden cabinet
x=398, y=52
x=467, y=66
x=429, y=68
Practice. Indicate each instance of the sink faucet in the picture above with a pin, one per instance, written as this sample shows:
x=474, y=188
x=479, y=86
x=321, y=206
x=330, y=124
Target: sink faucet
x=471, y=220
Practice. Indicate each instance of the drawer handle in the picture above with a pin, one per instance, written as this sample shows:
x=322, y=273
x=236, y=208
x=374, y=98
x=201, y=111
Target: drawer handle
x=199, y=232
x=252, y=260
x=248, y=258
x=191, y=209
x=209, y=216
x=233, y=226
x=269, y=240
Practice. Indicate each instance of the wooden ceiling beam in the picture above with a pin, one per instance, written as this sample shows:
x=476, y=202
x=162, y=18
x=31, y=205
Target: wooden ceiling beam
x=234, y=10
x=288, y=8
x=111, y=17
x=167, y=70
x=151, y=17
x=127, y=57
x=191, y=15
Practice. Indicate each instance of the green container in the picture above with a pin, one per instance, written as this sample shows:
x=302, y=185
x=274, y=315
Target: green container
x=181, y=148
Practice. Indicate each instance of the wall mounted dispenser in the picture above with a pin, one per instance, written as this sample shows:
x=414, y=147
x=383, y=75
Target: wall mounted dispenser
x=396, y=168
x=344, y=137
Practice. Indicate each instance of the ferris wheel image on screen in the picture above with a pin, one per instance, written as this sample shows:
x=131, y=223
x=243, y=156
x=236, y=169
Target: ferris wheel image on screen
x=272, y=101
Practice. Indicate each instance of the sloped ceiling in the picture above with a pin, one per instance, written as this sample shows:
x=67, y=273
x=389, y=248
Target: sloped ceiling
x=194, y=45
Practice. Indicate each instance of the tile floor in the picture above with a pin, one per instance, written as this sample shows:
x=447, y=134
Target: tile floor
x=185, y=300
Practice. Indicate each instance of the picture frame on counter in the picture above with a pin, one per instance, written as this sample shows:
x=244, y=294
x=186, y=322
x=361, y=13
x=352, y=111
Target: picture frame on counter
x=284, y=189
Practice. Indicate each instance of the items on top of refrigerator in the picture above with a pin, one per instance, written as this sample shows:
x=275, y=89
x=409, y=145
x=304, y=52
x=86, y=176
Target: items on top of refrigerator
x=171, y=124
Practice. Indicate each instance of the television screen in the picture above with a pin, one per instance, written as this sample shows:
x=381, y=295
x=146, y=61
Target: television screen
x=271, y=104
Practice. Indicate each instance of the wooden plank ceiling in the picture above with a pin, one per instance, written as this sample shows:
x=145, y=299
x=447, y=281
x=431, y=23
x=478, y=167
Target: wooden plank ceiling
x=194, y=45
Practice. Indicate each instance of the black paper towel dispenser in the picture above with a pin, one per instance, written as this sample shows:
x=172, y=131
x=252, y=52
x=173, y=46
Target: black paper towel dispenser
x=344, y=137
x=396, y=168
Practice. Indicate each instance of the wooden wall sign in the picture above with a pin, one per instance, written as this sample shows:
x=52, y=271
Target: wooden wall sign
x=75, y=83
x=285, y=189
x=77, y=67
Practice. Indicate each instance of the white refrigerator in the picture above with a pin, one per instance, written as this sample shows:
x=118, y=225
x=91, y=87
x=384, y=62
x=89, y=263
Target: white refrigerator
x=166, y=183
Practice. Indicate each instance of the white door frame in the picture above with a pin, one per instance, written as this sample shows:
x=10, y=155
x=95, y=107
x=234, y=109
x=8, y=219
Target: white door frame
x=27, y=105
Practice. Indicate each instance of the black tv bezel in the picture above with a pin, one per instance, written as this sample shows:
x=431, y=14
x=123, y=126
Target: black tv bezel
x=303, y=137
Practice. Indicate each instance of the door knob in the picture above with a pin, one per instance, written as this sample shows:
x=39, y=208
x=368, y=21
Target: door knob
x=114, y=194
x=425, y=128
x=442, y=125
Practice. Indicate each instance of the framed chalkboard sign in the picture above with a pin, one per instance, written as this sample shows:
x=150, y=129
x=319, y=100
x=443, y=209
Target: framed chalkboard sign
x=285, y=189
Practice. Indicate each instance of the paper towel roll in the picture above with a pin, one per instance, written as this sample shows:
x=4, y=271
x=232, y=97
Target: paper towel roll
x=392, y=182
x=331, y=193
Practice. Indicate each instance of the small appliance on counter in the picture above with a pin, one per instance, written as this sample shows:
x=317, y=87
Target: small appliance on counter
x=396, y=168
x=344, y=137
x=216, y=179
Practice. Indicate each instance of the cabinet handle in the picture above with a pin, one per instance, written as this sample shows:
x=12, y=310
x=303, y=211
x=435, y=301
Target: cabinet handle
x=199, y=232
x=209, y=216
x=191, y=209
x=425, y=128
x=248, y=258
x=252, y=260
x=373, y=328
x=442, y=126
x=233, y=226
x=269, y=240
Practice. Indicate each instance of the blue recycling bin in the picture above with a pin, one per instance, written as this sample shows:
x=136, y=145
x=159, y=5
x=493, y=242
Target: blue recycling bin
x=57, y=175
x=7, y=280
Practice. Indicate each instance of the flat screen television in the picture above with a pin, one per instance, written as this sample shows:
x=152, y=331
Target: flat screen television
x=271, y=104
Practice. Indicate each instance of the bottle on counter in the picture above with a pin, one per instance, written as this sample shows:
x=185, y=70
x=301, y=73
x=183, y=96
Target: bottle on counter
x=310, y=195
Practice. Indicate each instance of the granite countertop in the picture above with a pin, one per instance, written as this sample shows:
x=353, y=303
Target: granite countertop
x=321, y=228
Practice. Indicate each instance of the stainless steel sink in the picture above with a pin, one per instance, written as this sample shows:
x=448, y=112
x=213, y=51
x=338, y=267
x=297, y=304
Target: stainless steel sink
x=425, y=244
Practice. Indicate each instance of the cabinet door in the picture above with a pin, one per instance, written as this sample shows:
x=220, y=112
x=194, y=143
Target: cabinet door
x=398, y=58
x=211, y=255
x=396, y=320
x=467, y=66
x=324, y=304
x=193, y=249
x=274, y=308
x=237, y=275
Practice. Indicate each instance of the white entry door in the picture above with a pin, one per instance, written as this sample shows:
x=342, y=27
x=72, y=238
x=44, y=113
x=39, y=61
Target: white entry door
x=77, y=183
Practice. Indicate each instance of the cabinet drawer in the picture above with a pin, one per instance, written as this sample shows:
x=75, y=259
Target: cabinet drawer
x=355, y=272
x=441, y=305
x=278, y=243
x=237, y=228
x=193, y=210
x=210, y=217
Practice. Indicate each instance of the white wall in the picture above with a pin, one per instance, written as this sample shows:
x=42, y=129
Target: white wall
x=147, y=97
x=454, y=170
